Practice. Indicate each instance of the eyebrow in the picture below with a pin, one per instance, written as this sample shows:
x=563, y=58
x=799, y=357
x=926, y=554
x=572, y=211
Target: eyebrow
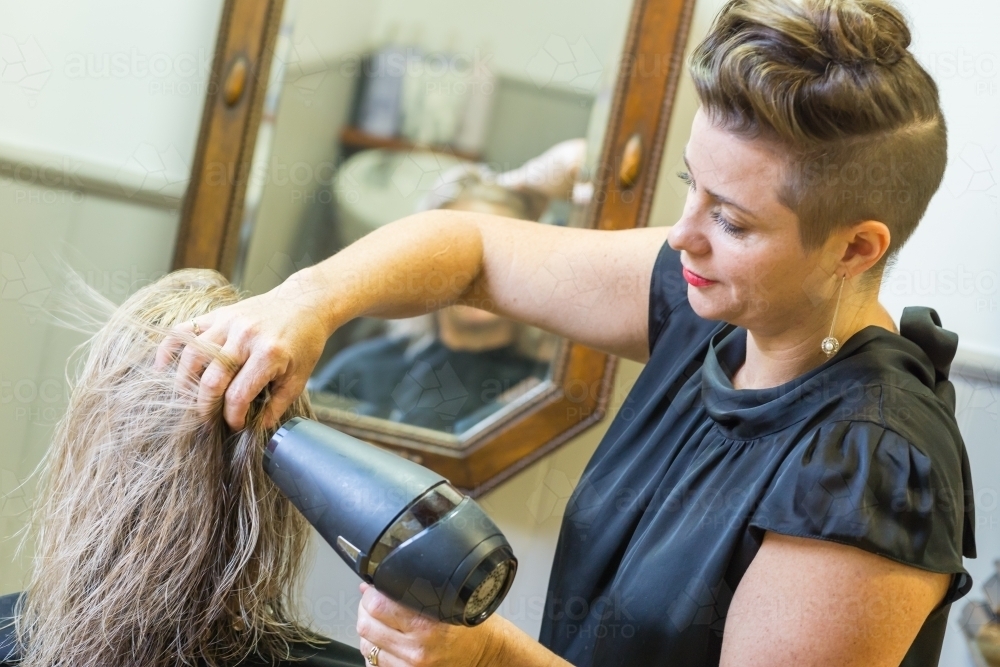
x=725, y=200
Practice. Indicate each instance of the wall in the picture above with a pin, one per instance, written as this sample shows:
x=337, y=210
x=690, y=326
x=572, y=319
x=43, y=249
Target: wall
x=102, y=102
x=518, y=38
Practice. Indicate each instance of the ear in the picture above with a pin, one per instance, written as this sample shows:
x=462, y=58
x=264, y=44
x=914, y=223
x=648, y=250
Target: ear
x=864, y=245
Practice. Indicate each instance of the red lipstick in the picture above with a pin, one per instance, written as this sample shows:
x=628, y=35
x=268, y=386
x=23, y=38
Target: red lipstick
x=695, y=280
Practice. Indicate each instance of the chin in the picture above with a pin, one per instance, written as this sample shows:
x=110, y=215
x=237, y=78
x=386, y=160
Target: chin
x=705, y=307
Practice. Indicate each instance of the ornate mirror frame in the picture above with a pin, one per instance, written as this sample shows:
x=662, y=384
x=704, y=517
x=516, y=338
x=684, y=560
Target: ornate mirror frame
x=576, y=396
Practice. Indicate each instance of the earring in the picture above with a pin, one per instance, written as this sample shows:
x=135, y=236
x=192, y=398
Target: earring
x=830, y=345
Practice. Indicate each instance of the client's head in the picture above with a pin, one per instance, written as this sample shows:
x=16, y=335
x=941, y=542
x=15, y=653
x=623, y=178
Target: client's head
x=160, y=540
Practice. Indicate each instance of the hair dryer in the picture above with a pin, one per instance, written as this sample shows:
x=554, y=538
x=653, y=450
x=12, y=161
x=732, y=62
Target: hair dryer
x=401, y=527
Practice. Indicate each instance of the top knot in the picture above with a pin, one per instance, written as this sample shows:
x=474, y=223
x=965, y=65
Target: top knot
x=811, y=71
x=859, y=32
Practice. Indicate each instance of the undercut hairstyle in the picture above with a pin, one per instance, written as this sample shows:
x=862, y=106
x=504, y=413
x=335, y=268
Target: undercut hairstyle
x=159, y=539
x=833, y=85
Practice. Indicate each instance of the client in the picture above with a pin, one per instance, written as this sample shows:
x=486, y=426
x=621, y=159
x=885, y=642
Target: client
x=160, y=539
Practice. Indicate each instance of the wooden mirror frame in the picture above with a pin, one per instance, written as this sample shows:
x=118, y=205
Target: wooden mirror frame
x=576, y=396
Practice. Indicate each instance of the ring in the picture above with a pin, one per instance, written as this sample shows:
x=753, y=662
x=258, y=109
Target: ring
x=373, y=656
x=195, y=328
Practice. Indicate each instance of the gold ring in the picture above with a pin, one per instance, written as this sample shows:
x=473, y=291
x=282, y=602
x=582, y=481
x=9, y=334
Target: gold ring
x=195, y=328
x=373, y=656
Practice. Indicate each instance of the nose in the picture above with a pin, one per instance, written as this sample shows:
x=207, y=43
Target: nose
x=686, y=233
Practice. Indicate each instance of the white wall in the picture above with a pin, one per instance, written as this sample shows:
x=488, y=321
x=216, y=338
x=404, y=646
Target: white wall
x=960, y=236
x=556, y=42
x=94, y=168
x=93, y=82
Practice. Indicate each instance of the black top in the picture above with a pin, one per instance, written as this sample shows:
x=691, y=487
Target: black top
x=425, y=385
x=333, y=654
x=863, y=450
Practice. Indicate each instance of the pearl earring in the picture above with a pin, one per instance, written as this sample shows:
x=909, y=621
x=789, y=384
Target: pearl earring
x=830, y=345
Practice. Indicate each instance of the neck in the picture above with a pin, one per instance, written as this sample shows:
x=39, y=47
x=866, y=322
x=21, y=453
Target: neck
x=776, y=357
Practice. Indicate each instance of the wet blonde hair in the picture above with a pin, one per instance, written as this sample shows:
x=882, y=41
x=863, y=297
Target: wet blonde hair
x=160, y=540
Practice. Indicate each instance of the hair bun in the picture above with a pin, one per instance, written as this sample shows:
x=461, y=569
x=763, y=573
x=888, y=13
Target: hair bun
x=858, y=32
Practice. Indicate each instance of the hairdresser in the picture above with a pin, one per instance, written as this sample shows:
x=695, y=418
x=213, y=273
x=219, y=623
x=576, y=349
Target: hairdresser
x=789, y=485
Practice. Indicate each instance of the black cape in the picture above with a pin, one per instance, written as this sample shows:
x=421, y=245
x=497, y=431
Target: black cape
x=863, y=450
x=333, y=654
x=430, y=386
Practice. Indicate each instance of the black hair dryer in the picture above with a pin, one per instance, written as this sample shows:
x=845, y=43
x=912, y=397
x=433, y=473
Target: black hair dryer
x=401, y=527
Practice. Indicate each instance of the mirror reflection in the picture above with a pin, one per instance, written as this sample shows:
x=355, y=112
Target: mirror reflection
x=423, y=377
x=444, y=104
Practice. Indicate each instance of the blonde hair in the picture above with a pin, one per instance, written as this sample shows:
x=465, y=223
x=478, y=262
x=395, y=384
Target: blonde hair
x=160, y=540
x=521, y=204
x=833, y=83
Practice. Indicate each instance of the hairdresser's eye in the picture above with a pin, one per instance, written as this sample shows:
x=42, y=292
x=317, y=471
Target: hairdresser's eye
x=727, y=226
x=686, y=177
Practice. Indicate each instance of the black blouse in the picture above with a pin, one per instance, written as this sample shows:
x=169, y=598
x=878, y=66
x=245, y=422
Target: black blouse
x=863, y=450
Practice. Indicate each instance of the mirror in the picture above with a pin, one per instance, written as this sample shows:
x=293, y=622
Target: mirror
x=449, y=104
x=552, y=112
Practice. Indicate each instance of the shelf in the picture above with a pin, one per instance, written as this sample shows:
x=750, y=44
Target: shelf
x=355, y=138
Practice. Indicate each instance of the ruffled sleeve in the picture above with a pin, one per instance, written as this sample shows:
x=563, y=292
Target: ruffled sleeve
x=860, y=484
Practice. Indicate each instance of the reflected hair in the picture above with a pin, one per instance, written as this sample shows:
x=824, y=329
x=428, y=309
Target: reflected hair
x=159, y=539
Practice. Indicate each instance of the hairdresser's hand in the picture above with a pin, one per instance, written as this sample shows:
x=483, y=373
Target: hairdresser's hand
x=552, y=173
x=408, y=639
x=274, y=339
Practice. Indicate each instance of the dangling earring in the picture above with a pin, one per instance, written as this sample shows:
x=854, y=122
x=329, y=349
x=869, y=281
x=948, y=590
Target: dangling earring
x=830, y=345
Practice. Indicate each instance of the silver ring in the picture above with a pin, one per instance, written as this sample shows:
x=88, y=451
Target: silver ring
x=373, y=656
x=195, y=328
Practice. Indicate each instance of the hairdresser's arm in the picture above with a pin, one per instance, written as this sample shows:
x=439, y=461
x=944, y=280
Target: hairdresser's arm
x=588, y=285
x=810, y=602
x=407, y=639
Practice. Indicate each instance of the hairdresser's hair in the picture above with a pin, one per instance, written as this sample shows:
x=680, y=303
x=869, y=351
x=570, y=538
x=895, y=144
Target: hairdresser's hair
x=159, y=539
x=833, y=84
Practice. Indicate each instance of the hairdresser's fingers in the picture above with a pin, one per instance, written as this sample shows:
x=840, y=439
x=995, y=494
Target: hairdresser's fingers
x=167, y=350
x=391, y=613
x=283, y=394
x=172, y=344
x=391, y=642
x=260, y=369
x=218, y=376
x=194, y=359
x=385, y=656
